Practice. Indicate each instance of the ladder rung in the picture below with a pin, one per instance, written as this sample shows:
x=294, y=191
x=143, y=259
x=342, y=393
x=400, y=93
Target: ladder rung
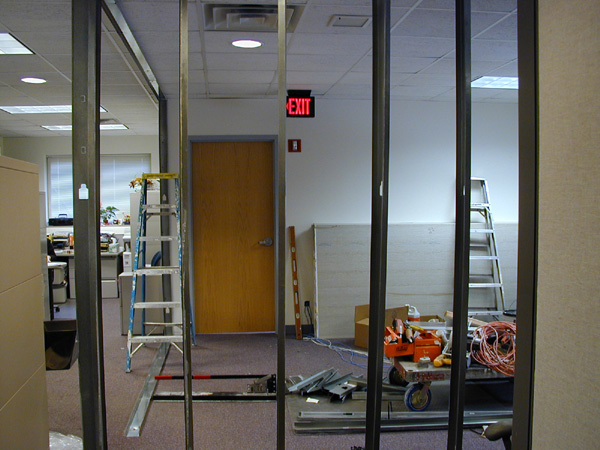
x=157, y=270
x=157, y=238
x=162, y=213
x=484, y=285
x=482, y=230
x=151, y=305
x=159, y=176
x=155, y=339
x=484, y=312
x=483, y=257
x=159, y=206
x=480, y=206
x=164, y=324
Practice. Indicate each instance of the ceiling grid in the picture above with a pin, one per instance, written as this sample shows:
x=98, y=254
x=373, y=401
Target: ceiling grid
x=332, y=61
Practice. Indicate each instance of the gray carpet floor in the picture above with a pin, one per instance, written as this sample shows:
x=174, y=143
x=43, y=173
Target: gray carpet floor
x=217, y=425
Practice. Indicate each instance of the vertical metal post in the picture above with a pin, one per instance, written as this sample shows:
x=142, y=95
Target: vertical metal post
x=463, y=223
x=379, y=218
x=163, y=154
x=86, y=203
x=528, y=222
x=280, y=223
x=184, y=197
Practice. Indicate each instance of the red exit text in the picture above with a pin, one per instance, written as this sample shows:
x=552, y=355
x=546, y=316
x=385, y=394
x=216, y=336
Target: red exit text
x=300, y=107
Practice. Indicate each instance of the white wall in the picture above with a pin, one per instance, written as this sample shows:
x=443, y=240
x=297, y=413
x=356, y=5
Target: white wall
x=329, y=181
x=37, y=150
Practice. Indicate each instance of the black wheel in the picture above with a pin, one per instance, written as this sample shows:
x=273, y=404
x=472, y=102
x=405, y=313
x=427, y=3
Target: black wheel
x=395, y=378
x=415, y=400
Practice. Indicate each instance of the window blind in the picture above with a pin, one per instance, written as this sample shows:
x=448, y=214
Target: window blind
x=116, y=171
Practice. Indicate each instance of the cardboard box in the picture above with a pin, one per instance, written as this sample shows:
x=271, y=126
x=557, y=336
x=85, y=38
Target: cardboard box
x=361, y=322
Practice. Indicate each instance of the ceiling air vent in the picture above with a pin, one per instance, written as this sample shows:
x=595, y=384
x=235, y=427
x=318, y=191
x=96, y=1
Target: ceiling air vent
x=222, y=17
x=349, y=21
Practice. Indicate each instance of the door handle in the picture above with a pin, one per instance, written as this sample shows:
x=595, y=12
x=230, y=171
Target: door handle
x=267, y=242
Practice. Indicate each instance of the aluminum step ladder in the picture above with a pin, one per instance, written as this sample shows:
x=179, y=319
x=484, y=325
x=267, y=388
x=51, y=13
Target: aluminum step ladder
x=171, y=332
x=485, y=275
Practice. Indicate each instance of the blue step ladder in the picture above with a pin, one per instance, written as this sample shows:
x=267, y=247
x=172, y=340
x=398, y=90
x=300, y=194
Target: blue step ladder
x=171, y=332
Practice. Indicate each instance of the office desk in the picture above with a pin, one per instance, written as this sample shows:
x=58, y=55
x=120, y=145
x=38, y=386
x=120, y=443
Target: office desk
x=111, y=265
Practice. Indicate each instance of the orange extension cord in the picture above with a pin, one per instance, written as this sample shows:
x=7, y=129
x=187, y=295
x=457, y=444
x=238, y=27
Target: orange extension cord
x=499, y=352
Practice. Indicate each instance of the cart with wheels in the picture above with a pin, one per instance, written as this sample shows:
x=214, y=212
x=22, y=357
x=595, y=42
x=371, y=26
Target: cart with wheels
x=418, y=378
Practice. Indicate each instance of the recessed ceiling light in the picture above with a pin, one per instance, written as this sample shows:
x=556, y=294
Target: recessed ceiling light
x=40, y=109
x=496, y=83
x=246, y=43
x=103, y=127
x=10, y=46
x=33, y=80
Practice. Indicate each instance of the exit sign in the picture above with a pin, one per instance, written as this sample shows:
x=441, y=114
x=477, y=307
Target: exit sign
x=299, y=103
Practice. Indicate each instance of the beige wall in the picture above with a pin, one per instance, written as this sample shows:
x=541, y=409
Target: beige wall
x=566, y=399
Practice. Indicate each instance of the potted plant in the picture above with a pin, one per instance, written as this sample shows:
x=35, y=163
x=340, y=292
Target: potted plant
x=107, y=213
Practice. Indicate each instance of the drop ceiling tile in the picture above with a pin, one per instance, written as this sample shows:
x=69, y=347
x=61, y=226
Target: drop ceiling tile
x=152, y=15
x=316, y=18
x=313, y=77
x=363, y=91
x=418, y=92
x=507, y=94
x=484, y=50
x=172, y=76
x=420, y=47
x=363, y=78
x=360, y=78
x=242, y=61
x=329, y=44
x=448, y=66
x=220, y=42
x=507, y=70
x=440, y=23
x=325, y=63
x=171, y=90
x=23, y=64
x=108, y=78
x=476, y=5
x=240, y=77
x=20, y=16
x=152, y=42
x=230, y=90
x=52, y=78
x=397, y=64
x=505, y=30
x=47, y=42
x=430, y=80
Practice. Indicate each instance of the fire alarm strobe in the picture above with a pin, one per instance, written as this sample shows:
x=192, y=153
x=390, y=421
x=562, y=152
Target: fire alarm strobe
x=294, y=145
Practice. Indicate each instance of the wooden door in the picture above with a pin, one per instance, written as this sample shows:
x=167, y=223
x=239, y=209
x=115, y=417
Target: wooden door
x=232, y=189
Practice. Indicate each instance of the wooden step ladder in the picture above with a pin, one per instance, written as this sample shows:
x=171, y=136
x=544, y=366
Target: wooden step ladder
x=170, y=331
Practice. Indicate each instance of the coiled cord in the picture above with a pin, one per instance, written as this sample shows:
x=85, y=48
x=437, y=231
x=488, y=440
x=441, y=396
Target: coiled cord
x=494, y=346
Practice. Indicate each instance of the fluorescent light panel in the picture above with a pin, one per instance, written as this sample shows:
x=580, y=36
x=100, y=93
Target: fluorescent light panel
x=103, y=127
x=496, y=83
x=10, y=46
x=40, y=109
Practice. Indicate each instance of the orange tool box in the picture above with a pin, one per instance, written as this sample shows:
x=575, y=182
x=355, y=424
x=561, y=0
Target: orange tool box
x=425, y=344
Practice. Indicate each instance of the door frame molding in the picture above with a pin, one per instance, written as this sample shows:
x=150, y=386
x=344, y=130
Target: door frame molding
x=274, y=140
